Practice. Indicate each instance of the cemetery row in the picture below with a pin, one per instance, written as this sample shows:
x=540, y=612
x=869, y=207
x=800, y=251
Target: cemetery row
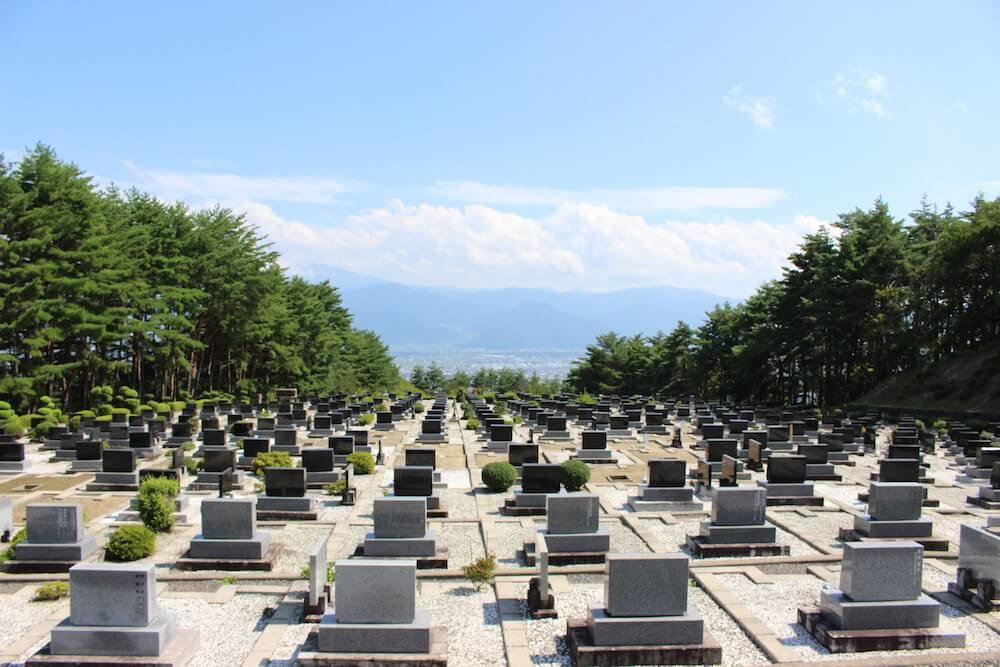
x=727, y=468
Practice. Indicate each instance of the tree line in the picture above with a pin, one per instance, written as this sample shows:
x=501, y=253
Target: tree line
x=496, y=380
x=106, y=287
x=871, y=296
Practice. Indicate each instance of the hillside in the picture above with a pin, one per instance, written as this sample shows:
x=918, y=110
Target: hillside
x=518, y=319
x=967, y=382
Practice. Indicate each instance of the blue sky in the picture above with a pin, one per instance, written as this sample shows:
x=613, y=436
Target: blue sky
x=568, y=145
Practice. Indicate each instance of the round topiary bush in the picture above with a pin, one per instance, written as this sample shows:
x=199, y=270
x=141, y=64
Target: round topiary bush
x=499, y=476
x=575, y=474
x=130, y=543
x=41, y=430
x=156, y=511
x=363, y=462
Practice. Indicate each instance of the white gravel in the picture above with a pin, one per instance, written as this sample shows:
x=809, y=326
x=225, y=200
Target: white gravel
x=547, y=637
x=228, y=631
x=464, y=542
x=461, y=504
x=672, y=536
x=612, y=498
x=821, y=528
x=776, y=605
x=623, y=539
x=509, y=539
x=292, y=544
x=18, y=613
x=473, y=621
x=845, y=493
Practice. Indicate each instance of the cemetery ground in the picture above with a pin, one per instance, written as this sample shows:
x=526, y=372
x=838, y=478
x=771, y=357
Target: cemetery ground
x=749, y=603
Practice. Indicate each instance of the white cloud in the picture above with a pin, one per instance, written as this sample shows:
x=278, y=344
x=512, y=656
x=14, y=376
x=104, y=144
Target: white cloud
x=577, y=246
x=210, y=185
x=861, y=90
x=642, y=199
x=760, y=109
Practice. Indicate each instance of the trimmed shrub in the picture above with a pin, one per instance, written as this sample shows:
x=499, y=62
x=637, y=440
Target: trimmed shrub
x=4, y=405
x=471, y=424
x=157, y=512
x=129, y=543
x=363, y=462
x=165, y=486
x=499, y=476
x=52, y=590
x=270, y=460
x=41, y=430
x=12, y=426
x=418, y=408
x=338, y=488
x=575, y=474
x=11, y=552
x=177, y=406
x=193, y=466
x=366, y=419
x=482, y=571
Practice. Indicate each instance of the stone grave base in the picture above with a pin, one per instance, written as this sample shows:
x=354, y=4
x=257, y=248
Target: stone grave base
x=567, y=557
x=439, y=561
x=983, y=502
x=980, y=593
x=437, y=657
x=81, y=466
x=587, y=456
x=923, y=479
x=177, y=653
x=12, y=467
x=439, y=512
x=802, y=501
x=248, y=554
x=928, y=543
x=927, y=502
x=286, y=509
x=640, y=505
x=317, y=480
x=555, y=435
x=536, y=608
x=432, y=438
x=856, y=641
x=823, y=477
x=703, y=549
x=585, y=654
x=314, y=614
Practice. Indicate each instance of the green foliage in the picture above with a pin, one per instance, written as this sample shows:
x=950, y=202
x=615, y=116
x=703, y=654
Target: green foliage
x=156, y=511
x=270, y=460
x=919, y=423
x=366, y=419
x=51, y=590
x=130, y=543
x=418, y=408
x=228, y=580
x=471, y=424
x=193, y=466
x=12, y=426
x=41, y=430
x=941, y=426
x=363, y=462
x=4, y=405
x=159, y=484
x=499, y=476
x=338, y=488
x=114, y=298
x=11, y=551
x=482, y=571
x=188, y=446
x=331, y=572
x=574, y=474
x=586, y=399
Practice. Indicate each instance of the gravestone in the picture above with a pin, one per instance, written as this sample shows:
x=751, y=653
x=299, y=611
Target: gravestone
x=738, y=517
x=574, y=524
x=114, y=612
x=880, y=588
x=375, y=610
x=55, y=532
x=285, y=494
x=666, y=490
x=229, y=533
x=894, y=510
x=520, y=453
x=646, y=605
x=400, y=529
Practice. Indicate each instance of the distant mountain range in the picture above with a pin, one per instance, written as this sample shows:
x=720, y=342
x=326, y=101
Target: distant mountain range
x=412, y=317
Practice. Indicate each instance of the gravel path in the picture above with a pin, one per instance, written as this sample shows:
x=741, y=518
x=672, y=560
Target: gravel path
x=464, y=541
x=509, y=538
x=228, y=631
x=821, y=528
x=18, y=613
x=623, y=539
x=672, y=536
x=473, y=621
x=292, y=545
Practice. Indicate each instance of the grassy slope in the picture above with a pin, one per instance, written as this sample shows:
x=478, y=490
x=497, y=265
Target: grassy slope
x=967, y=382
